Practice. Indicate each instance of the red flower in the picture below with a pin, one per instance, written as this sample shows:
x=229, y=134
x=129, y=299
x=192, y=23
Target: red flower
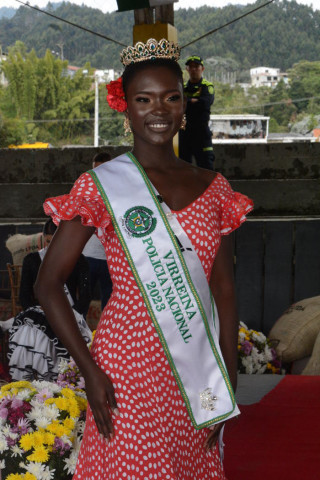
x=115, y=97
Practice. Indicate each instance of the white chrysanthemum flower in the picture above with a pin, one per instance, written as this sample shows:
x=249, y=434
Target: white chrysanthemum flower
x=52, y=387
x=243, y=325
x=23, y=394
x=51, y=412
x=42, y=422
x=36, y=469
x=35, y=413
x=6, y=430
x=247, y=362
x=48, y=474
x=268, y=354
x=259, y=337
x=15, y=451
x=66, y=440
x=70, y=463
x=63, y=365
x=2, y=464
x=13, y=435
x=242, y=335
x=3, y=444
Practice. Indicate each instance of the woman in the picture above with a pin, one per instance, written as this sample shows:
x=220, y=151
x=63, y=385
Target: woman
x=34, y=350
x=145, y=418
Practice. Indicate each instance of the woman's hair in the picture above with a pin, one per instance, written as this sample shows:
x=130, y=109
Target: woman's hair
x=101, y=157
x=134, y=68
x=49, y=227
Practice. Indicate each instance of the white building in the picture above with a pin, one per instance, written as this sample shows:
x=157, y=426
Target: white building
x=267, y=77
x=239, y=128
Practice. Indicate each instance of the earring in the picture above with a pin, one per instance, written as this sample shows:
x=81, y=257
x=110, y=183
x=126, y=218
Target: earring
x=126, y=126
x=184, y=122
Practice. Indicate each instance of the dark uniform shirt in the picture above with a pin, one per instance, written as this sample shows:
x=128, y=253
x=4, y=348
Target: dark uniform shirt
x=198, y=113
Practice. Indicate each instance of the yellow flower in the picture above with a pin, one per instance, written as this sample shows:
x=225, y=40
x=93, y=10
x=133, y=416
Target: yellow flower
x=68, y=393
x=82, y=402
x=30, y=476
x=27, y=442
x=40, y=454
x=15, y=476
x=61, y=403
x=48, y=438
x=57, y=429
x=39, y=438
x=68, y=423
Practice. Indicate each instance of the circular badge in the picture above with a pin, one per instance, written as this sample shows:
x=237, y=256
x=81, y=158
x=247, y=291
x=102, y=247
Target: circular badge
x=139, y=221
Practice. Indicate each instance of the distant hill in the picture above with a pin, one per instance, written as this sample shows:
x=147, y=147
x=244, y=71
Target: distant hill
x=7, y=12
x=278, y=35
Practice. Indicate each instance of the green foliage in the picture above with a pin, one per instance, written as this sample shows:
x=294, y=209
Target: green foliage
x=12, y=132
x=40, y=90
x=279, y=35
x=304, y=83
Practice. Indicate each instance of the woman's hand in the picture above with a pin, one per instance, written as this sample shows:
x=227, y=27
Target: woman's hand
x=100, y=394
x=213, y=435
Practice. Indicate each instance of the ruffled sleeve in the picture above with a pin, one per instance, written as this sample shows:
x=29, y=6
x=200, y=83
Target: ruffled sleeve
x=234, y=206
x=84, y=200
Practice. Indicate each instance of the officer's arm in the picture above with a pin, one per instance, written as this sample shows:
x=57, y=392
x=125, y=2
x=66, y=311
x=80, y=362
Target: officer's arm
x=206, y=98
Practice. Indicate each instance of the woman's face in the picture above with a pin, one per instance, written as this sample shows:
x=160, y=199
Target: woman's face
x=155, y=105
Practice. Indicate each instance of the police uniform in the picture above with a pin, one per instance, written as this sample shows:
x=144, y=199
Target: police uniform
x=196, y=139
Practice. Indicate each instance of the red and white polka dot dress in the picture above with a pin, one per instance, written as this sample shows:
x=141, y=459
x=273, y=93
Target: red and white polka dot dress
x=154, y=437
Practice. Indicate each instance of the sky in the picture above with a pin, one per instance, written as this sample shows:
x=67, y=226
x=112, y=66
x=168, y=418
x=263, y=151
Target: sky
x=111, y=5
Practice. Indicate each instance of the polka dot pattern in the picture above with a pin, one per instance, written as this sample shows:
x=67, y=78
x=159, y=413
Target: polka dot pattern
x=154, y=436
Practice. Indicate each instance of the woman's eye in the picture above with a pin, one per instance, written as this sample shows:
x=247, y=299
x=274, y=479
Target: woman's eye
x=174, y=98
x=142, y=99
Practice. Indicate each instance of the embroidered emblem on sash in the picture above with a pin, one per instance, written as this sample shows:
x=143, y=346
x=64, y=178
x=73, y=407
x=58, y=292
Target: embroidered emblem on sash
x=139, y=221
x=208, y=400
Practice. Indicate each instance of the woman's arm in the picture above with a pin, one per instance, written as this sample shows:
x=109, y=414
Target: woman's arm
x=60, y=260
x=223, y=291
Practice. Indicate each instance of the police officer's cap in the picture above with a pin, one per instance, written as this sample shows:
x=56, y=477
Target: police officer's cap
x=195, y=59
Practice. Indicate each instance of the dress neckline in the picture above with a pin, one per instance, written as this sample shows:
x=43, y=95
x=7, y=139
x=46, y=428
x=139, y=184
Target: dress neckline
x=197, y=198
x=140, y=167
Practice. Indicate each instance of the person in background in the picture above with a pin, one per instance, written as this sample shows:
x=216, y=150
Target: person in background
x=34, y=350
x=196, y=139
x=95, y=253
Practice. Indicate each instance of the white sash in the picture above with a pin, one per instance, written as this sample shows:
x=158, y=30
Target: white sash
x=42, y=253
x=181, y=307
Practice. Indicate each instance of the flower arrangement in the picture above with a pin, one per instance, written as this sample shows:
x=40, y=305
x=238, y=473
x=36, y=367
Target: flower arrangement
x=116, y=97
x=41, y=427
x=256, y=353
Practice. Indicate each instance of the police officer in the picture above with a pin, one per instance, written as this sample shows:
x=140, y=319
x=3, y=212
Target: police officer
x=196, y=139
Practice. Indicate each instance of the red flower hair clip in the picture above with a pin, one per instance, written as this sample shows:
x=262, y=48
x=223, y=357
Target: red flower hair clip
x=115, y=97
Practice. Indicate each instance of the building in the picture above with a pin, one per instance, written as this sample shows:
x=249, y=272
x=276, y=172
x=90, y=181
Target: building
x=239, y=128
x=267, y=77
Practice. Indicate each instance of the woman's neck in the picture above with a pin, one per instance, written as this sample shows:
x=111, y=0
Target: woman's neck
x=155, y=156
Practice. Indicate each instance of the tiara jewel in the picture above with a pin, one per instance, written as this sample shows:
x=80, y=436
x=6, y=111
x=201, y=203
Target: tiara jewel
x=150, y=50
